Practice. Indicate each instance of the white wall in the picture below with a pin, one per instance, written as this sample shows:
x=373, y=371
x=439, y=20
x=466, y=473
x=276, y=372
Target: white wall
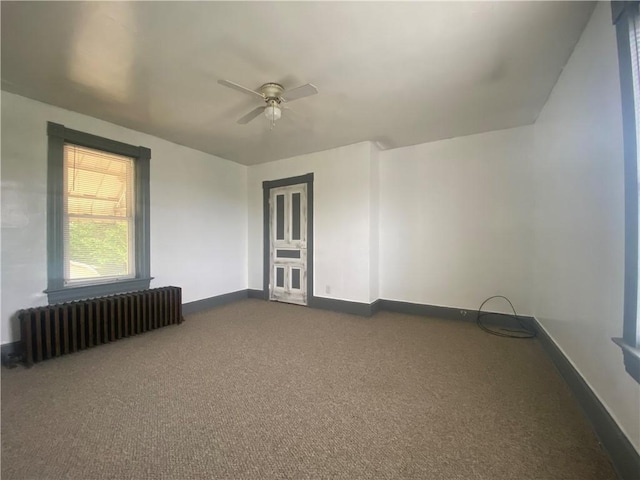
x=455, y=221
x=342, y=223
x=579, y=220
x=374, y=227
x=198, y=210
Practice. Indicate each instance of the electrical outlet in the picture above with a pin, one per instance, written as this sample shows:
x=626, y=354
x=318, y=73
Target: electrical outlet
x=327, y=289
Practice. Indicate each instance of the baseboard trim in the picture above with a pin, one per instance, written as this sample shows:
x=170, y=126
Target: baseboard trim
x=211, y=302
x=623, y=455
x=9, y=350
x=256, y=294
x=376, y=306
x=409, y=308
x=450, y=313
x=343, y=306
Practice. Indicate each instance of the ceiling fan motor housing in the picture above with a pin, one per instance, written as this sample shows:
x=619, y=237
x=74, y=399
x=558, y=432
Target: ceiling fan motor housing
x=272, y=91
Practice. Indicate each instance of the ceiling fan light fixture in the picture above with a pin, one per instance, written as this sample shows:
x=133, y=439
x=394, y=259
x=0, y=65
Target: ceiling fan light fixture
x=273, y=112
x=272, y=93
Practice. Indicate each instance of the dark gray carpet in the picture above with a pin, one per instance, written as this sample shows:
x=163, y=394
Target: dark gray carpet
x=258, y=390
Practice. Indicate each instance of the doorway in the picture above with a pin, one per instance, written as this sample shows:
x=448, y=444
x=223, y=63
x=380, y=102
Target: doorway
x=288, y=239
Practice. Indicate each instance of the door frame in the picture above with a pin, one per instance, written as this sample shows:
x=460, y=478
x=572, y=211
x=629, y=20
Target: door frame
x=267, y=185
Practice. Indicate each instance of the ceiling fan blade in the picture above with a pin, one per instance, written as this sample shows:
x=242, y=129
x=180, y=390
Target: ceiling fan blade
x=240, y=88
x=293, y=117
x=300, y=92
x=251, y=115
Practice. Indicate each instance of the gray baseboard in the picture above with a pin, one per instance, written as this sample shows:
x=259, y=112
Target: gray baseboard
x=376, y=306
x=450, y=313
x=211, y=302
x=323, y=303
x=257, y=294
x=9, y=349
x=408, y=308
x=623, y=455
x=369, y=309
x=343, y=306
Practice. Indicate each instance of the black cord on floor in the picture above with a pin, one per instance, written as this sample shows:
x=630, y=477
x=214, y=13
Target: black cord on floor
x=524, y=331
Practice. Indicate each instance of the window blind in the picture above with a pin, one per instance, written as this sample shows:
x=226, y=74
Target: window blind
x=98, y=215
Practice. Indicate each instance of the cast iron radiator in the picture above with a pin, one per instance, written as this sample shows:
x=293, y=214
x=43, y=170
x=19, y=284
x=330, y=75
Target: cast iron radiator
x=56, y=330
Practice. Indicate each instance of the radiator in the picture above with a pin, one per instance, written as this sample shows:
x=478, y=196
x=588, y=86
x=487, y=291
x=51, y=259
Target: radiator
x=65, y=328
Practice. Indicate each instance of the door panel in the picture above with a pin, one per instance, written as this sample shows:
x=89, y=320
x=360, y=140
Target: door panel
x=288, y=244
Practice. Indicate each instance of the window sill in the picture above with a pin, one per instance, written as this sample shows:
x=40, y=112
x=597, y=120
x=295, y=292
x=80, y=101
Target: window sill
x=83, y=292
x=631, y=357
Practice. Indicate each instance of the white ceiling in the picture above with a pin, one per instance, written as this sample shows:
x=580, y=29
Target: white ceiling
x=392, y=72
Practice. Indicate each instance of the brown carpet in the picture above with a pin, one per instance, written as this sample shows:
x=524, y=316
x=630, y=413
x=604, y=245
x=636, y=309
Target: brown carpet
x=258, y=390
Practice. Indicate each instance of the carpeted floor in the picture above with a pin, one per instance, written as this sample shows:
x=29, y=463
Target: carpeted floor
x=259, y=390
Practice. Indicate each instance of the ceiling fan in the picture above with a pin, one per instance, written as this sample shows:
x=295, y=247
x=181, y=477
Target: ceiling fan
x=273, y=94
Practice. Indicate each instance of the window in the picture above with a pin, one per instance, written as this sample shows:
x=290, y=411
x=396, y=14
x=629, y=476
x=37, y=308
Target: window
x=98, y=216
x=626, y=17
